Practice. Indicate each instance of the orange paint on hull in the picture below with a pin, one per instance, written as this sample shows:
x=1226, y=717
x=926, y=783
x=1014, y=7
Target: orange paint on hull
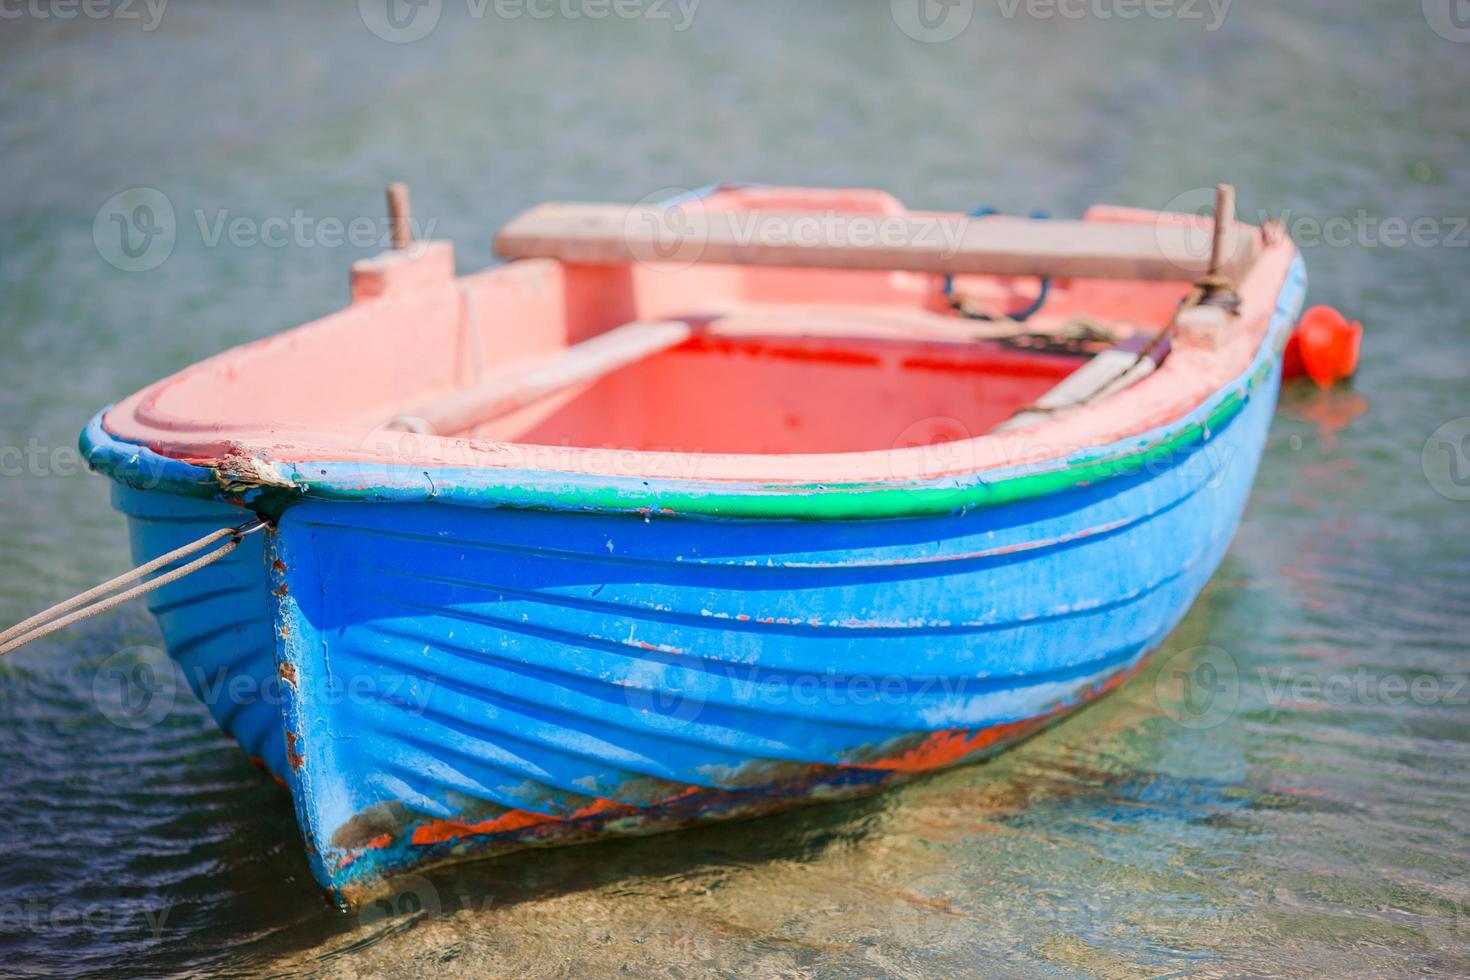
x=938, y=751
x=949, y=748
x=440, y=831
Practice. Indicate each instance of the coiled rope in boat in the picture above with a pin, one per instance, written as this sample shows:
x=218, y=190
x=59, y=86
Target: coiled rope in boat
x=960, y=306
x=105, y=596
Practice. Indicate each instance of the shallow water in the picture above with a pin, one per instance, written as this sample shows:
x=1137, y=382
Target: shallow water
x=1311, y=819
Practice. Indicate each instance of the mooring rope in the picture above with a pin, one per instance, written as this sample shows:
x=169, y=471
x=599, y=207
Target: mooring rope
x=99, y=600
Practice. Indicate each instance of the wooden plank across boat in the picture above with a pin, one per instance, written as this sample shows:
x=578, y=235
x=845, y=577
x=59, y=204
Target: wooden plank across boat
x=615, y=538
x=945, y=244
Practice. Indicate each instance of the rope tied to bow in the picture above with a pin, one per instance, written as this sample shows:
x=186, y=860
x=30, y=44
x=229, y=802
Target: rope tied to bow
x=106, y=596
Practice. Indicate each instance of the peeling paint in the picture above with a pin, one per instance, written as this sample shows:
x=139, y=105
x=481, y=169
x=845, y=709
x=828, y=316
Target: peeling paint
x=759, y=787
x=293, y=755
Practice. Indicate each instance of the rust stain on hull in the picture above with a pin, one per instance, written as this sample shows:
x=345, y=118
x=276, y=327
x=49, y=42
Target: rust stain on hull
x=294, y=756
x=760, y=788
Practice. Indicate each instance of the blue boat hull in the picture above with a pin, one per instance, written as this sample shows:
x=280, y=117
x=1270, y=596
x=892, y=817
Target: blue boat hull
x=437, y=681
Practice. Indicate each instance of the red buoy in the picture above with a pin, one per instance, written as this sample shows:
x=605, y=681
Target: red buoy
x=1324, y=346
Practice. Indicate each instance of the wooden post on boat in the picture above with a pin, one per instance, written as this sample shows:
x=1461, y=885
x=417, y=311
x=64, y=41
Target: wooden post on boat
x=406, y=264
x=1224, y=226
x=1206, y=314
x=399, y=213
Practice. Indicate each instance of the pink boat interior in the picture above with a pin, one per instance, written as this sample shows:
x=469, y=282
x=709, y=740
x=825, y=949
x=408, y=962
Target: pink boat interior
x=790, y=395
x=780, y=373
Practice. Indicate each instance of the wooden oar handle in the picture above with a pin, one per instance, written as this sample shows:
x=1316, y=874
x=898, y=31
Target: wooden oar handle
x=400, y=215
x=1224, y=222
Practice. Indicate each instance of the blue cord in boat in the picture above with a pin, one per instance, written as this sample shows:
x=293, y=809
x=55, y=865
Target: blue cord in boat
x=1021, y=315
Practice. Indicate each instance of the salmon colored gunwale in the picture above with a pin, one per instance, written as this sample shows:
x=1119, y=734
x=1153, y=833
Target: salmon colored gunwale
x=142, y=468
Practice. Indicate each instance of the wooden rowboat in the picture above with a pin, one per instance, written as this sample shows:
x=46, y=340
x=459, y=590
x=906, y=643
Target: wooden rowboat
x=700, y=511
